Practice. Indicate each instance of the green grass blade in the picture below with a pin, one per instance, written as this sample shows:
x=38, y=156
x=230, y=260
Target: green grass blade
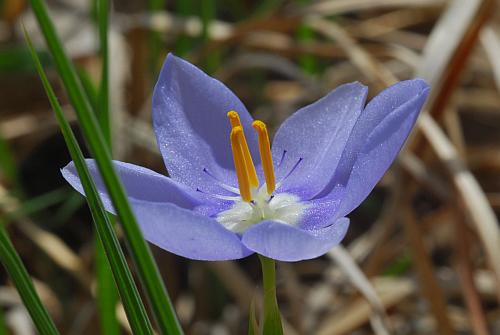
x=7, y=162
x=37, y=204
x=103, y=97
x=88, y=87
x=106, y=291
x=148, y=272
x=21, y=279
x=154, y=41
x=132, y=303
x=208, y=13
x=147, y=269
x=3, y=325
x=70, y=205
x=253, y=326
x=305, y=34
x=184, y=43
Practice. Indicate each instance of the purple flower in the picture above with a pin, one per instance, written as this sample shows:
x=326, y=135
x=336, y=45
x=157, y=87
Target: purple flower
x=288, y=203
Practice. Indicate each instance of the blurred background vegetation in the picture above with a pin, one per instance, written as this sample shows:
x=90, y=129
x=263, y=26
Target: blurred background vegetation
x=427, y=239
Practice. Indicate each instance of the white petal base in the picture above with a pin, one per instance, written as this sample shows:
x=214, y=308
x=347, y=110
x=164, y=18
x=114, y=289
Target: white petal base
x=283, y=207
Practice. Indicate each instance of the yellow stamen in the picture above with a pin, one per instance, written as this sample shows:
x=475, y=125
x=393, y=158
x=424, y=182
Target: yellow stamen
x=235, y=122
x=265, y=155
x=237, y=138
x=234, y=118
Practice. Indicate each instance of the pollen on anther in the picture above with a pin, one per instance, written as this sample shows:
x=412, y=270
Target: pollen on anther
x=265, y=155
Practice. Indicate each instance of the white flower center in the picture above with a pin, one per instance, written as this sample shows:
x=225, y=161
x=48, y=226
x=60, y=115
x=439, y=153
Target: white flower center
x=282, y=207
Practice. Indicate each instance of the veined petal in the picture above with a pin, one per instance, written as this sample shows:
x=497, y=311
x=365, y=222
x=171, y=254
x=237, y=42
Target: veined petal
x=317, y=133
x=139, y=183
x=186, y=233
x=191, y=125
x=375, y=141
x=319, y=213
x=167, y=213
x=288, y=243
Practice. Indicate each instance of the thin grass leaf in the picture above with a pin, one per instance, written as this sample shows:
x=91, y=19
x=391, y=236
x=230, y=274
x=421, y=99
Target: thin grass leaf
x=71, y=204
x=253, y=326
x=103, y=96
x=88, y=87
x=208, y=12
x=106, y=293
x=3, y=325
x=184, y=43
x=37, y=204
x=107, y=296
x=147, y=269
x=21, y=279
x=154, y=40
x=132, y=303
x=7, y=162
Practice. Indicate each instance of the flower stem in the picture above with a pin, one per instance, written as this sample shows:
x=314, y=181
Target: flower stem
x=272, y=319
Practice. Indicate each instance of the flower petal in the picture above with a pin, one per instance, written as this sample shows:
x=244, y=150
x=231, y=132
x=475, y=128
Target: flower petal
x=317, y=133
x=167, y=213
x=288, y=243
x=186, y=233
x=139, y=183
x=192, y=129
x=319, y=213
x=375, y=141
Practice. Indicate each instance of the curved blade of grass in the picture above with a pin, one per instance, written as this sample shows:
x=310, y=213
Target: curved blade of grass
x=148, y=272
x=154, y=41
x=3, y=325
x=106, y=291
x=37, y=204
x=132, y=303
x=21, y=279
x=7, y=162
x=103, y=96
x=253, y=326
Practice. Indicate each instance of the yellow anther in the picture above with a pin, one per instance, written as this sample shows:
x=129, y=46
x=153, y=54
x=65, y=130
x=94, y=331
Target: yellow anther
x=237, y=138
x=265, y=155
x=234, y=118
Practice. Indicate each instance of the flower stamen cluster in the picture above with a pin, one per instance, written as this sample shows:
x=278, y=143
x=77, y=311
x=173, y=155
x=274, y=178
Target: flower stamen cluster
x=248, y=181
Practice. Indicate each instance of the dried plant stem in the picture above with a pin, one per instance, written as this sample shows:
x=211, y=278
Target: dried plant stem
x=475, y=202
x=379, y=320
x=465, y=271
x=423, y=263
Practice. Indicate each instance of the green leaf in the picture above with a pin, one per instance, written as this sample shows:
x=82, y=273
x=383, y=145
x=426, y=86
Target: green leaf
x=103, y=97
x=7, y=162
x=37, y=204
x=272, y=318
x=106, y=291
x=3, y=326
x=21, y=279
x=253, y=326
x=155, y=43
x=184, y=43
x=132, y=303
x=88, y=87
x=148, y=272
x=208, y=12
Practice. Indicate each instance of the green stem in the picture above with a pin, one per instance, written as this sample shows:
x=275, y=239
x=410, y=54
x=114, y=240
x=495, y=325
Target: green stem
x=272, y=319
x=22, y=280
